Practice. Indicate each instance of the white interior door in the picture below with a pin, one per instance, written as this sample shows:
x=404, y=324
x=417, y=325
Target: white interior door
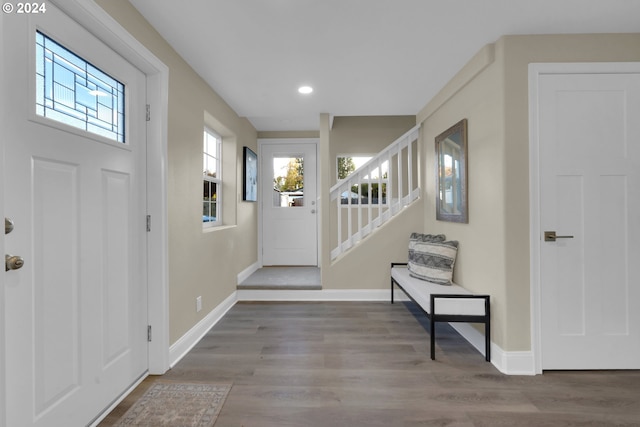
x=289, y=205
x=589, y=145
x=76, y=312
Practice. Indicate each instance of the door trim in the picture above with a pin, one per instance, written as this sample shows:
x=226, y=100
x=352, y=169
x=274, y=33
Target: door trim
x=291, y=141
x=536, y=70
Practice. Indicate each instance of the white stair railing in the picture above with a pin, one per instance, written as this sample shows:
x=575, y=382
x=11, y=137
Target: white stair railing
x=375, y=192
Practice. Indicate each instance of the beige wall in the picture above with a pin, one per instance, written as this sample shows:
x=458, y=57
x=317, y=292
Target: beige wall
x=475, y=94
x=492, y=93
x=200, y=263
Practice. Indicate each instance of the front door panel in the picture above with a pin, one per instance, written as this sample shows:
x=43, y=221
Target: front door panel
x=289, y=228
x=76, y=312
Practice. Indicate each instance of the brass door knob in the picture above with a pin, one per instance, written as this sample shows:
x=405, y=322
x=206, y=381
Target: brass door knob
x=13, y=262
x=8, y=226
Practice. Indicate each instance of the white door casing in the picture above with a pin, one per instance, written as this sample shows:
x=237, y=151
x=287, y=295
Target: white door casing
x=289, y=233
x=585, y=152
x=76, y=313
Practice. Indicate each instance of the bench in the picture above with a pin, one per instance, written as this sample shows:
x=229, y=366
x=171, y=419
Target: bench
x=443, y=303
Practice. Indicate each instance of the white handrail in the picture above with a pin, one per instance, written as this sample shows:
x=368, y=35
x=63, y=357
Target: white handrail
x=394, y=191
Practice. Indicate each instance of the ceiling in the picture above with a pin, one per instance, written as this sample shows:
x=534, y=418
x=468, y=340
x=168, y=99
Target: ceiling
x=362, y=57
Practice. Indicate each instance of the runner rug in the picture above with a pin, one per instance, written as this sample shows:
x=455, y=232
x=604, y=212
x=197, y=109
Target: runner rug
x=177, y=404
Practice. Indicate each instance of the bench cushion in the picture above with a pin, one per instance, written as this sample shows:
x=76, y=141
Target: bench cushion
x=421, y=290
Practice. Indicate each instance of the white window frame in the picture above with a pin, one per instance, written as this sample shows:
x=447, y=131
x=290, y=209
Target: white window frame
x=217, y=156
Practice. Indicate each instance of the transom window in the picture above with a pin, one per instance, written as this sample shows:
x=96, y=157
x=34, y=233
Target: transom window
x=72, y=91
x=212, y=179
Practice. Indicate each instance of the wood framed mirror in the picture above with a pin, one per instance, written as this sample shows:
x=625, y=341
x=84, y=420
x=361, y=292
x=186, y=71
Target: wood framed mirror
x=451, y=174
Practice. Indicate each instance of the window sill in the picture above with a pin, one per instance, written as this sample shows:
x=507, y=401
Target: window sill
x=218, y=228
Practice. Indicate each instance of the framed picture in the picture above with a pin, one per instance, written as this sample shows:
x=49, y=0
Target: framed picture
x=250, y=177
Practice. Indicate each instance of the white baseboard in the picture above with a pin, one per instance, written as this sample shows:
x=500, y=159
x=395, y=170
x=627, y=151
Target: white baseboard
x=181, y=347
x=244, y=274
x=320, y=295
x=507, y=362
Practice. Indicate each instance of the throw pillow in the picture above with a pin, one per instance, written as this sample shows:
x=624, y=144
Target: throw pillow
x=418, y=238
x=434, y=261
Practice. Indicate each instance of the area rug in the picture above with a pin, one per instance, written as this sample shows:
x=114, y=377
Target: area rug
x=177, y=405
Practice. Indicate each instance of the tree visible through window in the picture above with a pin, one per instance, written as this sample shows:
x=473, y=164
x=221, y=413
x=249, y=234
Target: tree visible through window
x=293, y=179
x=288, y=181
x=345, y=167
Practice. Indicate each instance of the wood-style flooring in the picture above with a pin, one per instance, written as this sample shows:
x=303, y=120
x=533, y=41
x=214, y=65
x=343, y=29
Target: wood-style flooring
x=367, y=364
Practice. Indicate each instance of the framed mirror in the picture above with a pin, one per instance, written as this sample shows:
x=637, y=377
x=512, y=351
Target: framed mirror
x=451, y=174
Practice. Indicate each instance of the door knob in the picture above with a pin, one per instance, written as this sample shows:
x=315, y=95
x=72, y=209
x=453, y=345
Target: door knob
x=550, y=236
x=313, y=211
x=8, y=226
x=13, y=262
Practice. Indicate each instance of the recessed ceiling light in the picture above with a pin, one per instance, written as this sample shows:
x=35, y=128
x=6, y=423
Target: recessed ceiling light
x=305, y=90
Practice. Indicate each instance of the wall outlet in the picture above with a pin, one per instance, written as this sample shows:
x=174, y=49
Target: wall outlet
x=198, y=304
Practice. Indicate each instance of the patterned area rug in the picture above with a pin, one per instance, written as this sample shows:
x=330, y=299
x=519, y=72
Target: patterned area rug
x=177, y=405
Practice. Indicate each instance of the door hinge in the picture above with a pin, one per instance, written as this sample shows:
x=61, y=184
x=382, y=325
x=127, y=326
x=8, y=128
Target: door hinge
x=148, y=223
x=148, y=112
x=149, y=333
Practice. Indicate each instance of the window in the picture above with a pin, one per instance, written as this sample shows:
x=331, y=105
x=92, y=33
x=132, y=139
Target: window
x=70, y=90
x=212, y=179
x=346, y=165
x=288, y=181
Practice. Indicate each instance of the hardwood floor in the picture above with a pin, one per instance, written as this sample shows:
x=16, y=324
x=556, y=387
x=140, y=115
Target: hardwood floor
x=367, y=364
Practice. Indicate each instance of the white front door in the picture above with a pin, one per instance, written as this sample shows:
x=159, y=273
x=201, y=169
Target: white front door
x=589, y=152
x=289, y=205
x=76, y=312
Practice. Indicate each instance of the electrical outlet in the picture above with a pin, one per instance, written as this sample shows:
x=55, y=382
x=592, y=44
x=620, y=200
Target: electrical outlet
x=198, y=304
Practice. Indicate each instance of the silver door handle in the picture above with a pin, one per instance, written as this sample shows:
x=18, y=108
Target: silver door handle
x=550, y=236
x=13, y=262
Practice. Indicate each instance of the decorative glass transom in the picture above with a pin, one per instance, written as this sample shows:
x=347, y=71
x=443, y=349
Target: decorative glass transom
x=72, y=91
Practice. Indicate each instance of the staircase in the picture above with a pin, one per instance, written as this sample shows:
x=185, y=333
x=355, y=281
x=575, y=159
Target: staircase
x=375, y=192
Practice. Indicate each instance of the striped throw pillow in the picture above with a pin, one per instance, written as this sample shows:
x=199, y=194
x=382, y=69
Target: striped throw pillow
x=433, y=261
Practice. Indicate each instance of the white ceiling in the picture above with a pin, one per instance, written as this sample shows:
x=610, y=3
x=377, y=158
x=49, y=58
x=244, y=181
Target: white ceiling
x=362, y=57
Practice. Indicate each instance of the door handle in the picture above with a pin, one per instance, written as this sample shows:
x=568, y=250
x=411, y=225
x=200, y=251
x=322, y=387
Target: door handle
x=13, y=262
x=550, y=236
x=313, y=211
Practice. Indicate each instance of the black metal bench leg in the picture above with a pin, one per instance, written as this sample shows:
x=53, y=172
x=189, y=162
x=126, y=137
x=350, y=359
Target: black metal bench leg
x=391, y=291
x=487, y=341
x=433, y=338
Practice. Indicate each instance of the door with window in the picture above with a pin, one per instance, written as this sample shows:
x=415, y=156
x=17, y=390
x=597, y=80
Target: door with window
x=589, y=149
x=289, y=205
x=75, y=190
